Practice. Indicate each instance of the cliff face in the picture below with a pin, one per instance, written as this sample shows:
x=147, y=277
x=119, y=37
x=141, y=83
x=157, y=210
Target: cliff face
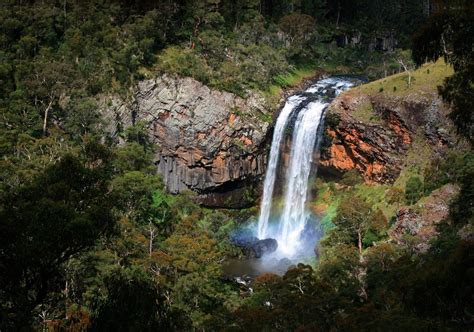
x=207, y=141
x=373, y=132
x=422, y=220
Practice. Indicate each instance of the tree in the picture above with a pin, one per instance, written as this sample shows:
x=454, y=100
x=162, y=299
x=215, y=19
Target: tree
x=413, y=189
x=353, y=218
x=133, y=303
x=133, y=193
x=46, y=83
x=44, y=223
x=196, y=261
x=82, y=117
x=449, y=33
x=297, y=26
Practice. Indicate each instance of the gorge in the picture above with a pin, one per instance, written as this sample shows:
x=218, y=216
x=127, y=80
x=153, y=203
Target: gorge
x=247, y=165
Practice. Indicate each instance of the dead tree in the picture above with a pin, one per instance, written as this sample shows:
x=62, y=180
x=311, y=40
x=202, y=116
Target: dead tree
x=405, y=67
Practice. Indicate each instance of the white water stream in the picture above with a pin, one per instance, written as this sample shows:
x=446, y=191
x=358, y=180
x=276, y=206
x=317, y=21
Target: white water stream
x=270, y=176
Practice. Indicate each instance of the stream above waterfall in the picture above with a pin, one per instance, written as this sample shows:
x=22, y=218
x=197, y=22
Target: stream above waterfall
x=286, y=232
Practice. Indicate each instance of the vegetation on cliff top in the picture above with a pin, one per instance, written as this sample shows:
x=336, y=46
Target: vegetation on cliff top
x=423, y=81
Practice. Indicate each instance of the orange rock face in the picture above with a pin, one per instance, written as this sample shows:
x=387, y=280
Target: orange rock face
x=340, y=159
x=377, y=149
x=399, y=129
x=369, y=150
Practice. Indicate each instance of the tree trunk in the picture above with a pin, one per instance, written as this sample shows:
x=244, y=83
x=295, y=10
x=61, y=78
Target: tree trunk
x=400, y=61
x=66, y=295
x=359, y=243
x=152, y=231
x=45, y=120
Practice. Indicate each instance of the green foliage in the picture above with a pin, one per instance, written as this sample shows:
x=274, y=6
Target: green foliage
x=351, y=178
x=251, y=67
x=297, y=26
x=195, y=259
x=388, y=287
x=413, y=189
x=356, y=224
x=449, y=34
x=81, y=117
x=453, y=167
x=89, y=239
x=44, y=223
x=186, y=62
x=133, y=302
x=352, y=218
x=132, y=156
x=133, y=194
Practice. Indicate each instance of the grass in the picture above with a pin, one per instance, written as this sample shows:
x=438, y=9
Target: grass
x=365, y=112
x=375, y=196
x=295, y=77
x=330, y=195
x=326, y=203
x=416, y=160
x=290, y=79
x=425, y=81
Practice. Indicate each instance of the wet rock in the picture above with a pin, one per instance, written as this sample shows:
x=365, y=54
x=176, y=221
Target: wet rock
x=252, y=246
x=243, y=238
x=263, y=247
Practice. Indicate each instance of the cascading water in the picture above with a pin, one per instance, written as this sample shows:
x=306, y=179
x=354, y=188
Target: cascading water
x=292, y=220
x=270, y=176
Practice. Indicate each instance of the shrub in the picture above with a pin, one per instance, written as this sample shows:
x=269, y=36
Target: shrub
x=413, y=189
x=351, y=178
x=185, y=62
x=451, y=167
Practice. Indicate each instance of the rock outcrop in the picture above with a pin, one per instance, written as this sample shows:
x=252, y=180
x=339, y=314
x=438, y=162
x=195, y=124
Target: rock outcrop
x=420, y=221
x=207, y=141
x=251, y=246
x=377, y=146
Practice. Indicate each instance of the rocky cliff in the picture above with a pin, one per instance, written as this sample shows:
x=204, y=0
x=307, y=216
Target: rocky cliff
x=421, y=221
x=207, y=141
x=371, y=129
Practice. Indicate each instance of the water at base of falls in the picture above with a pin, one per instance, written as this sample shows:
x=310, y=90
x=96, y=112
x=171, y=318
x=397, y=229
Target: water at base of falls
x=289, y=224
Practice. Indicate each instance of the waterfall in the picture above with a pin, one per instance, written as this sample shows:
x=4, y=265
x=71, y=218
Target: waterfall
x=310, y=106
x=270, y=175
x=293, y=218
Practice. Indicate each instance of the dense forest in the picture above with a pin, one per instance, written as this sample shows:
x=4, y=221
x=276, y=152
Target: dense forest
x=90, y=238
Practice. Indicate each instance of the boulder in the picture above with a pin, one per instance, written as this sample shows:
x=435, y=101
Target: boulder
x=251, y=245
x=243, y=238
x=263, y=247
